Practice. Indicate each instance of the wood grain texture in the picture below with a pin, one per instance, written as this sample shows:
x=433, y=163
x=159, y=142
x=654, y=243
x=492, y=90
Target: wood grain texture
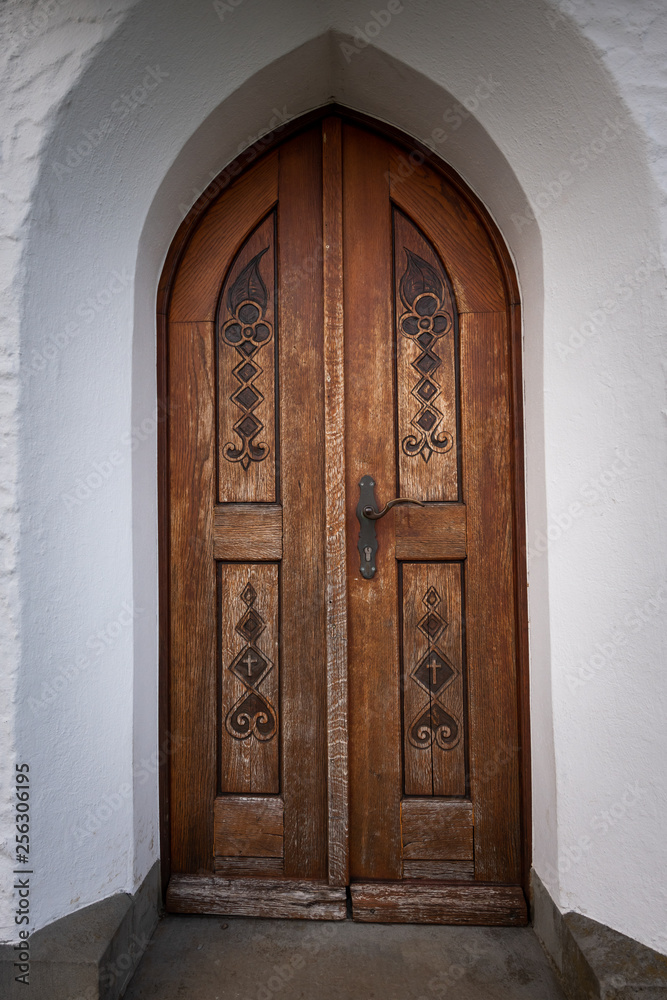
x=256, y=897
x=435, y=532
x=303, y=611
x=247, y=384
x=427, y=392
x=487, y=476
x=248, y=532
x=217, y=238
x=251, y=764
x=192, y=595
x=424, y=903
x=374, y=700
x=433, y=648
x=456, y=232
x=490, y=404
x=248, y=826
x=521, y=590
x=437, y=829
x=446, y=871
x=334, y=444
x=249, y=867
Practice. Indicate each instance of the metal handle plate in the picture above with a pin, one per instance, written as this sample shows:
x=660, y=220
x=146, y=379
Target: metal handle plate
x=367, y=515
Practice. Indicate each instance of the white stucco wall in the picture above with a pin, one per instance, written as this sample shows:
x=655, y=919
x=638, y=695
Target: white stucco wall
x=118, y=115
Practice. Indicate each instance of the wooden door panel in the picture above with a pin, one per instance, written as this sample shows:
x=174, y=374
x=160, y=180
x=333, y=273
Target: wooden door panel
x=436, y=532
x=374, y=705
x=426, y=368
x=248, y=827
x=243, y=529
x=303, y=617
x=433, y=681
x=437, y=830
x=461, y=239
x=192, y=592
x=246, y=324
x=195, y=292
x=487, y=478
x=338, y=829
x=249, y=680
x=329, y=319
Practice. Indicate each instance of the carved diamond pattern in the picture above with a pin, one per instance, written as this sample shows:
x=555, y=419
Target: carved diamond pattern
x=251, y=626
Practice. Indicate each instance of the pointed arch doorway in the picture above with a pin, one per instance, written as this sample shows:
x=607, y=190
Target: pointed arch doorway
x=345, y=693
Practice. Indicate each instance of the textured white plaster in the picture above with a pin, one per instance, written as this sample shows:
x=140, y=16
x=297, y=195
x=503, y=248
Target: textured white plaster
x=98, y=228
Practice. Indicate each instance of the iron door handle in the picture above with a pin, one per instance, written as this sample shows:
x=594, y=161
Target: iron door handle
x=367, y=515
x=375, y=515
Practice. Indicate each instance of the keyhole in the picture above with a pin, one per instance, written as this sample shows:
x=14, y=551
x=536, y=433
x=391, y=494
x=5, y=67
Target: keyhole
x=368, y=552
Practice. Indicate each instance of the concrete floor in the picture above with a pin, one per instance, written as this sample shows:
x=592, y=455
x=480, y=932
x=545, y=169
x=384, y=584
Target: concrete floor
x=214, y=958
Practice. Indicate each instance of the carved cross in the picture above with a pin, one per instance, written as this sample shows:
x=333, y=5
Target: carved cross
x=249, y=661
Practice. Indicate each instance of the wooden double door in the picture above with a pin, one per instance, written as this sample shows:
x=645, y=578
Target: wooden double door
x=343, y=689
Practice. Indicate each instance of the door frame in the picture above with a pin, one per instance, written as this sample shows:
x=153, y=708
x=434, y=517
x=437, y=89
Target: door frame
x=416, y=153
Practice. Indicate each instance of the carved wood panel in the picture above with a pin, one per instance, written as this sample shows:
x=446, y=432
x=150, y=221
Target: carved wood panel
x=434, y=721
x=248, y=672
x=426, y=368
x=245, y=329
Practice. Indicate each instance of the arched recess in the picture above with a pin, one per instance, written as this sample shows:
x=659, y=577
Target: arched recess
x=414, y=155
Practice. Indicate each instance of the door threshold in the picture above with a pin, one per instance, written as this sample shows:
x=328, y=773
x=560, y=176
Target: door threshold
x=300, y=899
x=423, y=902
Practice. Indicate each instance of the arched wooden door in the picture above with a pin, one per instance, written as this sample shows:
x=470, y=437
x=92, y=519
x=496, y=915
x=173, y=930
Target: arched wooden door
x=343, y=690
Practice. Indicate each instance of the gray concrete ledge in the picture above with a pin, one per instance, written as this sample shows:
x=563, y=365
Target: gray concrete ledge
x=90, y=954
x=593, y=961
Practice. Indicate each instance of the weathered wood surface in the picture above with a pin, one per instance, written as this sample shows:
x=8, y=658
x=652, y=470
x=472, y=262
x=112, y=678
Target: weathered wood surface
x=335, y=261
x=456, y=232
x=425, y=344
x=248, y=826
x=334, y=444
x=447, y=871
x=436, y=659
x=248, y=532
x=430, y=903
x=248, y=765
x=489, y=569
x=256, y=897
x=249, y=867
x=211, y=249
x=437, y=829
x=257, y=482
x=374, y=696
x=303, y=569
x=434, y=532
x=192, y=670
